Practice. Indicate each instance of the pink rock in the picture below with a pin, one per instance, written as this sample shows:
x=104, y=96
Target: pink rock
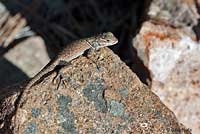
x=172, y=57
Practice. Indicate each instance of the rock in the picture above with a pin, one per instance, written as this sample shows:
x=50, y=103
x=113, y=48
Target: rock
x=172, y=57
x=30, y=55
x=2, y=8
x=97, y=94
x=23, y=61
x=178, y=13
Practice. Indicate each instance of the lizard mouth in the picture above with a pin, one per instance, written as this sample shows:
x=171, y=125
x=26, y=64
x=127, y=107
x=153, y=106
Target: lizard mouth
x=115, y=41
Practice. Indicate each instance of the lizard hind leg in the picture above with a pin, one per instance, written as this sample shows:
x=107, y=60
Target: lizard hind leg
x=59, y=78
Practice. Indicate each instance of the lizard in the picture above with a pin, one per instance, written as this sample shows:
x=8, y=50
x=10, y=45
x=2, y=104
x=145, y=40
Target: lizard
x=74, y=50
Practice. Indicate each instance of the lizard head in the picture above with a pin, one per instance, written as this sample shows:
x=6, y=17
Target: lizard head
x=103, y=40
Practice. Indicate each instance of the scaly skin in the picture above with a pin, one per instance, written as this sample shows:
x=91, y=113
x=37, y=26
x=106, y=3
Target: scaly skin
x=74, y=50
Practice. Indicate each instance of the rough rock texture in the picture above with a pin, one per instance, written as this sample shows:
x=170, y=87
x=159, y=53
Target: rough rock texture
x=23, y=61
x=97, y=94
x=172, y=57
